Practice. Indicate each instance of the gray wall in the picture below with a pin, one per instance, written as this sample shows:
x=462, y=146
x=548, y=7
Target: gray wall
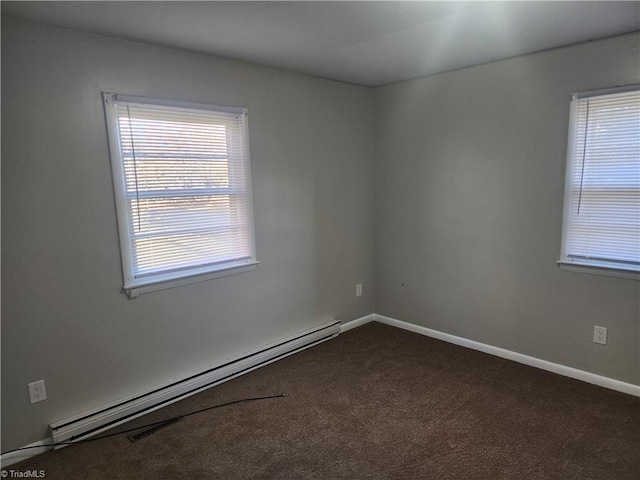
x=469, y=177
x=64, y=318
x=469, y=183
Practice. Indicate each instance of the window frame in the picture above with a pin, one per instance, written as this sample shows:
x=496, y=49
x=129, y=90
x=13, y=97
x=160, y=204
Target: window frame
x=132, y=285
x=585, y=265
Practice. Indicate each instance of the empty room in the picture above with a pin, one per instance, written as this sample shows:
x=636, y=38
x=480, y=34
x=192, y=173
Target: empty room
x=320, y=240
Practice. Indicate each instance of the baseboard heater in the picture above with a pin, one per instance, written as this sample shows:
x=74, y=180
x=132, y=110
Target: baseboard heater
x=96, y=421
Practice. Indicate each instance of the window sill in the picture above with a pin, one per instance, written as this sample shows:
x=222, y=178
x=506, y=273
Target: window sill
x=598, y=270
x=134, y=291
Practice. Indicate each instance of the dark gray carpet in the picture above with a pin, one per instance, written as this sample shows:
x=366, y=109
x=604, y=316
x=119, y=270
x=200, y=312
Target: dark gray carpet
x=379, y=402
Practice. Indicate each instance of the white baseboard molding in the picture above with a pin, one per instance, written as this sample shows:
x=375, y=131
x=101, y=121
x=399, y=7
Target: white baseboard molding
x=357, y=322
x=32, y=450
x=570, y=372
x=86, y=425
x=91, y=423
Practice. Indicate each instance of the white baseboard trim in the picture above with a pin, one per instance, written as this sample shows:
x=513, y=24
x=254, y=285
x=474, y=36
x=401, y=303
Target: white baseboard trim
x=357, y=322
x=606, y=382
x=570, y=372
x=33, y=449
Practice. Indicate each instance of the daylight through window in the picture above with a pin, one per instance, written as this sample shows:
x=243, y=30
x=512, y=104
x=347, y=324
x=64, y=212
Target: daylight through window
x=183, y=191
x=602, y=197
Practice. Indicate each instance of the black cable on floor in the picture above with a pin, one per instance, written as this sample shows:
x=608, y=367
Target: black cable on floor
x=150, y=425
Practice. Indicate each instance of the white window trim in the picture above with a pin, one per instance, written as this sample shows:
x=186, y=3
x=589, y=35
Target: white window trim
x=587, y=266
x=134, y=287
x=593, y=269
x=156, y=285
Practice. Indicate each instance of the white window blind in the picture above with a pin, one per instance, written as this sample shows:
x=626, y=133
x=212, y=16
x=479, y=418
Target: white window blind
x=183, y=192
x=602, y=196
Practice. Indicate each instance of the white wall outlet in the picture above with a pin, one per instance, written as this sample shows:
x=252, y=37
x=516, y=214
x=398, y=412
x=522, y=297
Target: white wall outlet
x=37, y=392
x=359, y=290
x=600, y=335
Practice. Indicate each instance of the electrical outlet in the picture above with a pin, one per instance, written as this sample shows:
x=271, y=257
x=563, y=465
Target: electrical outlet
x=359, y=290
x=600, y=335
x=37, y=392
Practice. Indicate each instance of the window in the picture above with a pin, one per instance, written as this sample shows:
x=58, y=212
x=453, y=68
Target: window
x=601, y=227
x=183, y=190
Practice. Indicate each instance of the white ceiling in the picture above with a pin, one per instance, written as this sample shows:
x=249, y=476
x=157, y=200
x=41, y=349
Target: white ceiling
x=367, y=43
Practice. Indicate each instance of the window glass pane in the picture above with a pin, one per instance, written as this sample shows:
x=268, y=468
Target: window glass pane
x=602, y=218
x=185, y=198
